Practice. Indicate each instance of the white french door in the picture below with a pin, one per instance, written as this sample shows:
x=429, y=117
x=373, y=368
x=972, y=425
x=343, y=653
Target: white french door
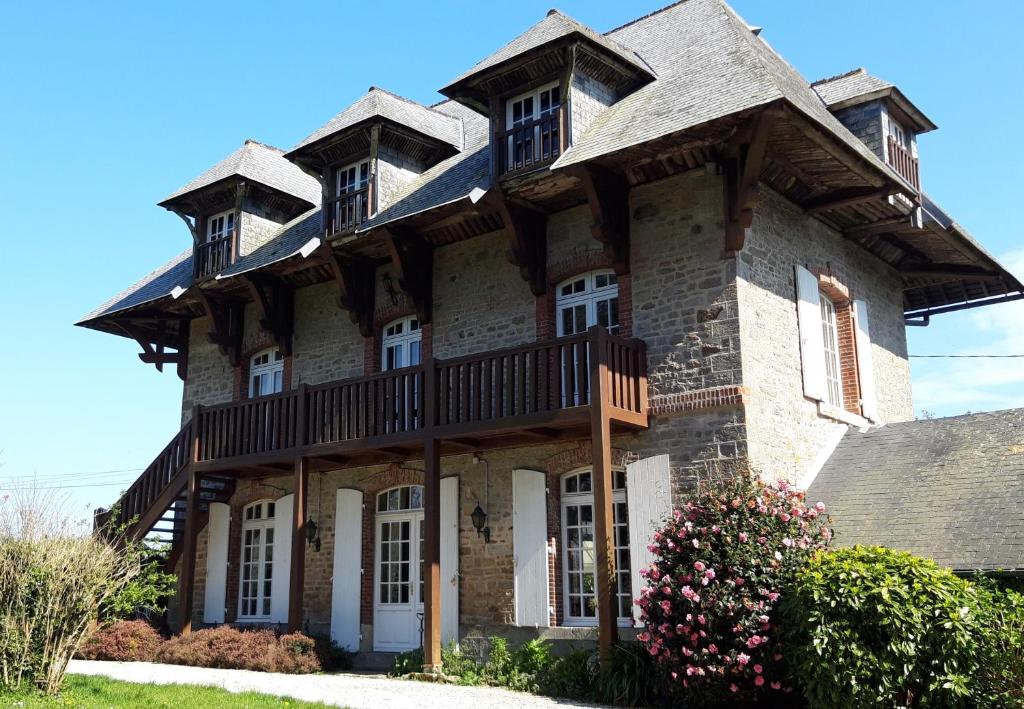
x=398, y=564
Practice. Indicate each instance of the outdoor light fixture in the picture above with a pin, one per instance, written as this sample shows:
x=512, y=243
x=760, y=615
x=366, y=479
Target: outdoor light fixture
x=312, y=538
x=389, y=288
x=479, y=515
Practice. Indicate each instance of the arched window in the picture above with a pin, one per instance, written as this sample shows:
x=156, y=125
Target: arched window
x=266, y=373
x=587, y=300
x=257, y=571
x=579, y=559
x=400, y=346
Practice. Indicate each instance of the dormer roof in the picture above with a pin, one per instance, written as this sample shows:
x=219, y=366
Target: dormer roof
x=555, y=28
x=380, y=104
x=858, y=86
x=255, y=162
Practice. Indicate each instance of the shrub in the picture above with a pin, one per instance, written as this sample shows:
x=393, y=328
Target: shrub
x=721, y=567
x=54, y=578
x=570, y=676
x=632, y=678
x=228, y=648
x=870, y=626
x=145, y=595
x=1000, y=679
x=407, y=662
x=122, y=641
x=332, y=656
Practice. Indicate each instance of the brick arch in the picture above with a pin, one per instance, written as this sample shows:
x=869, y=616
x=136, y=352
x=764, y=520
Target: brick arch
x=574, y=265
x=241, y=372
x=384, y=314
x=838, y=292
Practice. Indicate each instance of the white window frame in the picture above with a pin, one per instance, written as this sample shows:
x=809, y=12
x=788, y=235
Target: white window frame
x=533, y=145
x=397, y=510
x=583, y=293
x=402, y=338
x=899, y=133
x=361, y=171
x=220, y=226
x=831, y=352
x=266, y=366
x=624, y=597
x=257, y=517
x=536, y=112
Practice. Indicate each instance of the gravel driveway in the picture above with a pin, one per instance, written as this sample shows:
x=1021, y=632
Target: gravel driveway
x=343, y=690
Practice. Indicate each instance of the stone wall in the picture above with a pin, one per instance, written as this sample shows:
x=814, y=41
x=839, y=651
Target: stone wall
x=588, y=97
x=394, y=171
x=865, y=121
x=211, y=379
x=786, y=432
x=327, y=345
x=255, y=230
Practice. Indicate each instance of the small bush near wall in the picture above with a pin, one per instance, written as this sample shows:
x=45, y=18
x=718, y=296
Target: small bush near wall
x=869, y=627
x=228, y=648
x=721, y=568
x=1000, y=680
x=123, y=641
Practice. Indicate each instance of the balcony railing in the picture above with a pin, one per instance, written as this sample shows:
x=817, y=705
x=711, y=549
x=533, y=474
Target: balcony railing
x=493, y=391
x=531, y=144
x=212, y=257
x=347, y=211
x=904, y=163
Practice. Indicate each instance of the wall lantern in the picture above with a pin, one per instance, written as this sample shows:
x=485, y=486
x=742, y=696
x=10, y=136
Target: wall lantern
x=312, y=538
x=389, y=288
x=479, y=518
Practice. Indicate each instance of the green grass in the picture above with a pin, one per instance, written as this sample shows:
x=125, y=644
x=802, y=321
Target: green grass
x=83, y=691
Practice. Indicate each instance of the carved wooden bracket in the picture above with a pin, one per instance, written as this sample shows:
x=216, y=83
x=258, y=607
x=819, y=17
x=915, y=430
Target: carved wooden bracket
x=193, y=225
x=154, y=344
x=276, y=301
x=354, y=280
x=413, y=261
x=742, y=160
x=226, y=316
x=608, y=198
x=527, y=234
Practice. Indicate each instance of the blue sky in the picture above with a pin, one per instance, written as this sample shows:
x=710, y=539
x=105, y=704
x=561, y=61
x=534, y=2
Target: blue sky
x=108, y=107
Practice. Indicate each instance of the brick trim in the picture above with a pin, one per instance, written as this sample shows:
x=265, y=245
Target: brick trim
x=849, y=374
x=381, y=317
x=698, y=400
x=544, y=304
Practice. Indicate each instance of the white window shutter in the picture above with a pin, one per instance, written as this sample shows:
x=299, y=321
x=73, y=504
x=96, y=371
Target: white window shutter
x=812, y=344
x=282, y=562
x=530, y=547
x=216, y=562
x=649, y=506
x=865, y=370
x=449, y=560
x=346, y=584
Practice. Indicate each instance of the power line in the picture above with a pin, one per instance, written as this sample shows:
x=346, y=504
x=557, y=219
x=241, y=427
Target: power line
x=968, y=356
x=124, y=483
x=55, y=477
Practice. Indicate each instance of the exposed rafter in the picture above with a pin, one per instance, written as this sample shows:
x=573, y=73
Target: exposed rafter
x=845, y=198
x=413, y=261
x=526, y=232
x=276, y=302
x=951, y=270
x=225, y=316
x=354, y=279
x=608, y=198
x=742, y=160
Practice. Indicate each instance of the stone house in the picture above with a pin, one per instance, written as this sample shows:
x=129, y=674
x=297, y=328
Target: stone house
x=445, y=367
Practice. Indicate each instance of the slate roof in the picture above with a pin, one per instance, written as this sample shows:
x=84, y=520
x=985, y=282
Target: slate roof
x=378, y=103
x=852, y=84
x=261, y=163
x=950, y=489
x=554, y=26
x=175, y=273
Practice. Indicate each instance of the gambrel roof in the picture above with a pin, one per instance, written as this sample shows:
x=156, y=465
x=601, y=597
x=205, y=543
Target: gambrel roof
x=950, y=489
x=260, y=163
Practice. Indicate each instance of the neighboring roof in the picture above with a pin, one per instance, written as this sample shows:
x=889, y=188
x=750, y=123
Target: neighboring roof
x=858, y=86
x=950, y=489
x=176, y=273
x=260, y=163
x=378, y=103
x=287, y=242
x=553, y=27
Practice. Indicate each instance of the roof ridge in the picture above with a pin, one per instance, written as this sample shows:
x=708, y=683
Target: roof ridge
x=268, y=146
x=837, y=77
x=413, y=102
x=644, y=17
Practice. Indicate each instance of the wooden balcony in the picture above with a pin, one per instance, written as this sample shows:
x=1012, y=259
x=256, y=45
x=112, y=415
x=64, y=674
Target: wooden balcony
x=537, y=392
x=904, y=163
x=347, y=211
x=532, y=144
x=212, y=257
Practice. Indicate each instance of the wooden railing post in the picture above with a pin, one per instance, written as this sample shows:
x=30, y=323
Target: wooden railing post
x=432, y=521
x=604, y=526
x=188, y=554
x=297, y=577
x=302, y=401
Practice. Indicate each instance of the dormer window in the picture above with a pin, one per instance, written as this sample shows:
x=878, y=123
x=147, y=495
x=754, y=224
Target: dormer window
x=217, y=252
x=351, y=202
x=533, y=132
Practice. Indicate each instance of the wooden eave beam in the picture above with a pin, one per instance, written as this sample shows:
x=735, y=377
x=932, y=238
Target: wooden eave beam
x=742, y=162
x=154, y=344
x=880, y=227
x=607, y=194
x=832, y=146
x=946, y=269
x=412, y=259
x=275, y=299
x=844, y=198
x=354, y=279
x=225, y=316
x=525, y=229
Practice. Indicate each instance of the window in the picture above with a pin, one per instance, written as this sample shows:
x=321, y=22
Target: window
x=830, y=338
x=587, y=300
x=220, y=226
x=579, y=560
x=257, y=570
x=400, y=515
x=538, y=108
x=401, y=345
x=266, y=373
x=898, y=134
x=351, y=206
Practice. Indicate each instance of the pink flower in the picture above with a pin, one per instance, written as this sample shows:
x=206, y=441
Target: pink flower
x=787, y=541
x=696, y=544
x=785, y=517
x=666, y=606
x=743, y=658
x=820, y=507
x=701, y=619
x=710, y=573
x=713, y=649
x=758, y=668
x=733, y=688
x=778, y=685
x=643, y=637
x=759, y=680
x=743, y=536
x=699, y=566
x=753, y=642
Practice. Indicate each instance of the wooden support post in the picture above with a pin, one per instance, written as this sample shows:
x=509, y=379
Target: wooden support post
x=297, y=576
x=186, y=587
x=604, y=526
x=432, y=522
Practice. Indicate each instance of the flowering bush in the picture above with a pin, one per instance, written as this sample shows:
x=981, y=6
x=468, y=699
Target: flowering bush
x=722, y=565
x=228, y=648
x=121, y=641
